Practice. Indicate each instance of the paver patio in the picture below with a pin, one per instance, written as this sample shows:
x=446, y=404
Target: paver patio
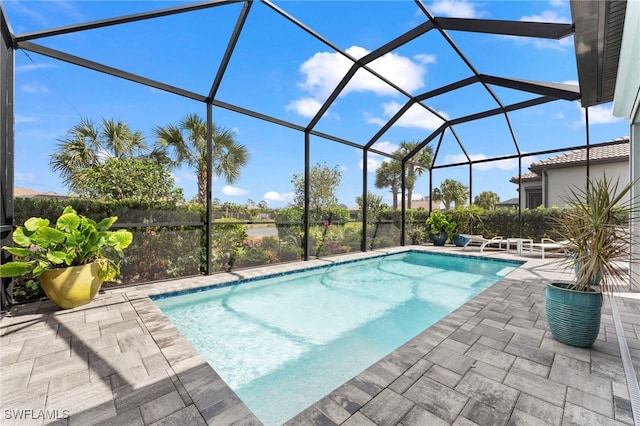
x=120, y=361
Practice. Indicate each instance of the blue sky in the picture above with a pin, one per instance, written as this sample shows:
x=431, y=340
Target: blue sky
x=280, y=70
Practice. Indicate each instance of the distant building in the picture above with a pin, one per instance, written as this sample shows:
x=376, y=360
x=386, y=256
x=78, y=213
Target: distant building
x=511, y=203
x=550, y=180
x=19, y=192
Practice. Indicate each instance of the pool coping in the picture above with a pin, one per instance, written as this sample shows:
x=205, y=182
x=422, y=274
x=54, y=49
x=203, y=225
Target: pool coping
x=388, y=389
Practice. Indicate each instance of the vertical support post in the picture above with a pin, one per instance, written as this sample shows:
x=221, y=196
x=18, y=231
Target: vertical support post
x=586, y=119
x=403, y=207
x=209, y=191
x=307, y=159
x=634, y=173
x=520, y=195
x=7, y=76
x=470, y=183
x=430, y=190
x=365, y=201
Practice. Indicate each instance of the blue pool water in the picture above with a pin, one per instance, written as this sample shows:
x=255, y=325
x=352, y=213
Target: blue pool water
x=284, y=342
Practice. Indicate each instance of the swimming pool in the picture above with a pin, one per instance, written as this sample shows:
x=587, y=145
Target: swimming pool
x=284, y=342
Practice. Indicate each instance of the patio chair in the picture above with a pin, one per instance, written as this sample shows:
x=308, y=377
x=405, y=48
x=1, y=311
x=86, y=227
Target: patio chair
x=483, y=242
x=547, y=245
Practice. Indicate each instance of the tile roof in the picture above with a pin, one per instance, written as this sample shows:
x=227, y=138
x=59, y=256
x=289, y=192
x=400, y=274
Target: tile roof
x=529, y=176
x=617, y=150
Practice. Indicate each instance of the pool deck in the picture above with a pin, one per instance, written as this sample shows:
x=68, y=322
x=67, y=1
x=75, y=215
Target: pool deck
x=120, y=361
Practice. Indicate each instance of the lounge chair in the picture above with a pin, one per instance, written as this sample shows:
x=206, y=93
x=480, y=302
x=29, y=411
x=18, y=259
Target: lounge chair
x=483, y=242
x=547, y=245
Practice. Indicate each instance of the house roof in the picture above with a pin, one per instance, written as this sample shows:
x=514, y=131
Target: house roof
x=613, y=151
x=509, y=202
x=30, y=193
x=616, y=150
x=527, y=177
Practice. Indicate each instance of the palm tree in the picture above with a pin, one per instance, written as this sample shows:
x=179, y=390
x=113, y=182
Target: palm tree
x=451, y=191
x=388, y=175
x=416, y=166
x=87, y=144
x=186, y=143
x=486, y=199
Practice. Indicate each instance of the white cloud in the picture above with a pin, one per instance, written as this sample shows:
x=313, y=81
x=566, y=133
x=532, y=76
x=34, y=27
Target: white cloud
x=324, y=70
x=30, y=177
x=32, y=67
x=373, y=162
x=599, y=114
x=456, y=9
x=416, y=116
x=233, y=191
x=572, y=82
x=423, y=58
x=508, y=164
x=184, y=176
x=416, y=197
x=34, y=88
x=559, y=3
x=546, y=16
x=273, y=196
x=386, y=146
x=306, y=107
x=19, y=118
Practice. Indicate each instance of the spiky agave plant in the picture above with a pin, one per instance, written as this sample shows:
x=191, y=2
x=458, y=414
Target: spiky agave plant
x=596, y=223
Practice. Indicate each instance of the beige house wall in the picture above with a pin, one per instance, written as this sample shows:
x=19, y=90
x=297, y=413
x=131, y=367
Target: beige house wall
x=525, y=185
x=558, y=182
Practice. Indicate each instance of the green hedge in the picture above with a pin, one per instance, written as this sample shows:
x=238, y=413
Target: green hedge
x=161, y=250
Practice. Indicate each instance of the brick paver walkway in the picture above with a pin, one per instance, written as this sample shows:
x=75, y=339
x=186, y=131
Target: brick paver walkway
x=119, y=361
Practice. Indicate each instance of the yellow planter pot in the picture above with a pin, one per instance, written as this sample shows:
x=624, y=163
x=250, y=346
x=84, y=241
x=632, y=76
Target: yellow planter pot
x=73, y=286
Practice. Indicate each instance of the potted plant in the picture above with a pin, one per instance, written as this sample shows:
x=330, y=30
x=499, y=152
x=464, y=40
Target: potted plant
x=440, y=227
x=467, y=219
x=595, y=223
x=72, y=259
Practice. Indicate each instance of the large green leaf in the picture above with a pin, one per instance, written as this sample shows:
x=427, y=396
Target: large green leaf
x=34, y=223
x=120, y=239
x=57, y=257
x=106, y=223
x=47, y=237
x=18, y=251
x=14, y=269
x=68, y=222
x=20, y=238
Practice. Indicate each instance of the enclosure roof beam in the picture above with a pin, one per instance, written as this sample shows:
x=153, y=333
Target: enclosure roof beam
x=568, y=92
x=448, y=88
x=233, y=40
x=397, y=42
x=546, y=30
x=388, y=124
x=496, y=111
x=56, y=54
x=264, y=117
x=122, y=19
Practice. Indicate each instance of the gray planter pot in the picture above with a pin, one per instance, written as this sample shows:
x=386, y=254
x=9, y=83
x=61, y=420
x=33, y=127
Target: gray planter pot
x=573, y=316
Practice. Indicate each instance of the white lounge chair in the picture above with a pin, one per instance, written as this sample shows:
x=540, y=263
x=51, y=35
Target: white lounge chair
x=484, y=242
x=547, y=245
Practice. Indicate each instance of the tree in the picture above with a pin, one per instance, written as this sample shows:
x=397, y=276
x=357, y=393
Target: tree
x=416, y=166
x=388, y=176
x=140, y=179
x=186, y=143
x=375, y=204
x=323, y=183
x=486, y=200
x=451, y=191
x=87, y=145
